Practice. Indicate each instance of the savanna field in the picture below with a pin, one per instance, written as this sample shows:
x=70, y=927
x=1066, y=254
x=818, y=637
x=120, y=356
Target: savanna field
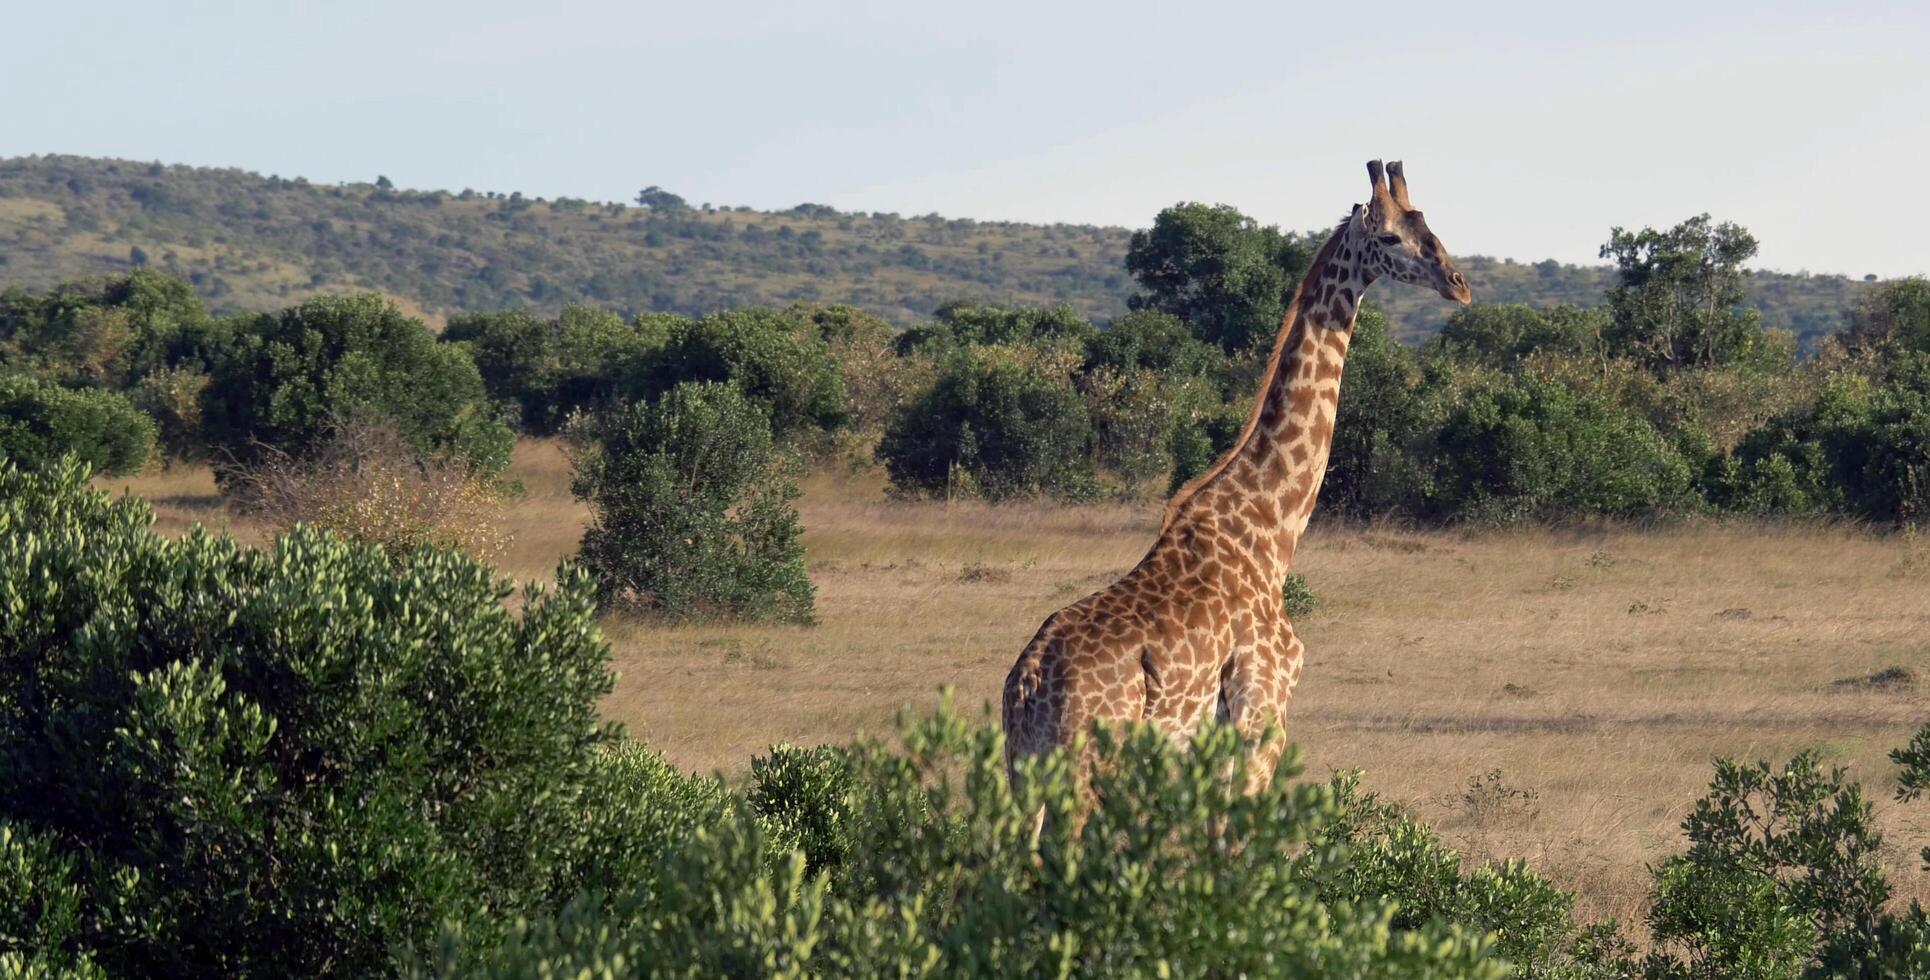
x=1550, y=695
x=1568, y=562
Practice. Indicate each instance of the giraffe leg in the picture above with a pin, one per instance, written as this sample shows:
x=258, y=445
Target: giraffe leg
x=1255, y=687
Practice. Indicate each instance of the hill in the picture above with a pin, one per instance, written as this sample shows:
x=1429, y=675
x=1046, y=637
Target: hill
x=251, y=242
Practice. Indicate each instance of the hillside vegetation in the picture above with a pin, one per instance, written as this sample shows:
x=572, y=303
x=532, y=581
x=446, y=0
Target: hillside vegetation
x=249, y=242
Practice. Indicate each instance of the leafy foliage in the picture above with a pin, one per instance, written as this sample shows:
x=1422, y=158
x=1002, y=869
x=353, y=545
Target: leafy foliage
x=693, y=509
x=1522, y=448
x=41, y=422
x=998, y=422
x=1298, y=597
x=299, y=761
x=1782, y=879
x=1678, y=301
x=1861, y=446
x=551, y=369
x=1224, y=275
x=288, y=378
x=942, y=876
x=1895, y=313
x=778, y=359
x=316, y=760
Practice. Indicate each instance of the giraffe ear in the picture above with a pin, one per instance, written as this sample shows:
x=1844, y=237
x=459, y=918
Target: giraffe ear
x=1397, y=185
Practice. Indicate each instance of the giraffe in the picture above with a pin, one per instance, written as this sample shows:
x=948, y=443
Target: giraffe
x=1197, y=627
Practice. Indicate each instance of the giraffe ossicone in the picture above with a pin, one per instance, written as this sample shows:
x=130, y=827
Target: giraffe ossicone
x=1197, y=628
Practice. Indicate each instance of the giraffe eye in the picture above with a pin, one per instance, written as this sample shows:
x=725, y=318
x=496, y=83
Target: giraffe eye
x=1390, y=239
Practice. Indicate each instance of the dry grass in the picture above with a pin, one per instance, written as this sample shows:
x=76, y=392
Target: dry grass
x=1601, y=671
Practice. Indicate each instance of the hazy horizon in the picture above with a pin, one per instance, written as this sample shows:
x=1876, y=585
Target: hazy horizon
x=1528, y=132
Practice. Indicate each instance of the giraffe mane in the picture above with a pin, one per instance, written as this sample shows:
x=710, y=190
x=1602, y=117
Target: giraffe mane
x=1292, y=320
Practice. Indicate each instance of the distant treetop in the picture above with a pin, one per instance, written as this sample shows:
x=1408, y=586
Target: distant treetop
x=661, y=200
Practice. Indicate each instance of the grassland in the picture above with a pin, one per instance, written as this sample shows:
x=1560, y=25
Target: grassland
x=1598, y=671
x=251, y=243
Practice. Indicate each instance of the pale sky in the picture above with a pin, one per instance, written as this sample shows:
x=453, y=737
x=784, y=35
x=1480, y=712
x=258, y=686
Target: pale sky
x=1528, y=129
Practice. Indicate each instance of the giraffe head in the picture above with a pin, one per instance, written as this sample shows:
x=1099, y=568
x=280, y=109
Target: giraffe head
x=1398, y=242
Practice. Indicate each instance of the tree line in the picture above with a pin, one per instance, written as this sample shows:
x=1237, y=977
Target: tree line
x=1669, y=401
x=250, y=242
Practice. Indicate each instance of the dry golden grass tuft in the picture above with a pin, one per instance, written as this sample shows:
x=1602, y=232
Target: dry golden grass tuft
x=368, y=483
x=1553, y=696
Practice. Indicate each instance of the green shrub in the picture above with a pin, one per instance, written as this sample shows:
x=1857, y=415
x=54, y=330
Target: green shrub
x=996, y=422
x=943, y=876
x=1860, y=447
x=1390, y=857
x=1132, y=421
x=1199, y=439
x=107, y=332
x=803, y=796
x=298, y=761
x=1500, y=335
x=172, y=398
x=1783, y=878
x=632, y=807
x=289, y=378
x=1382, y=458
x=1153, y=340
x=1297, y=596
x=41, y=909
x=1893, y=314
x=40, y=422
x=693, y=509
x=778, y=359
x=550, y=369
x=962, y=324
x=1523, y=448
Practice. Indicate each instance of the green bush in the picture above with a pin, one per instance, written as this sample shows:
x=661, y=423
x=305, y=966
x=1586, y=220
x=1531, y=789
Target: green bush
x=804, y=798
x=1860, y=447
x=943, y=876
x=1783, y=878
x=996, y=422
x=550, y=369
x=41, y=909
x=1390, y=410
x=962, y=324
x=40, y=422
x=317, y=761
x=299, y=761
x=1297, y=596
x=1390, y=857
x=693, y=509
x=107, y=332
x=1893, y=314
x=289, y=378
x=1501, y=335
x=1133, y=416
x=1521, y=448
x=1155, y=341
x=778, y=359
x=1199, y=439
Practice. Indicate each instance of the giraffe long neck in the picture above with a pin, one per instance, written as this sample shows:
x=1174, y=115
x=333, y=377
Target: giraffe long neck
x=1264, y=487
